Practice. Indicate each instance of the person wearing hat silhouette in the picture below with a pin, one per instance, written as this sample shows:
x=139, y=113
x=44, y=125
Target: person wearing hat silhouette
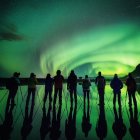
x=32, y=81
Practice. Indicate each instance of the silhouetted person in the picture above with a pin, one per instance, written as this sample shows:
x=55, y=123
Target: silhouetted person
x=86, y=89
x=46, y=123
x=72, y=86
x=100, y=82
x=101, y=126
x=7, y=126
x=58, y=85
x=131, y=89
x=48, y=88
x=70, y=124
x=12, y=86
x=86, y=125
x=32, y=81
x=134, y=124
x=27, y=123
x=118, y=126
x=116, y=84
x=56, y=122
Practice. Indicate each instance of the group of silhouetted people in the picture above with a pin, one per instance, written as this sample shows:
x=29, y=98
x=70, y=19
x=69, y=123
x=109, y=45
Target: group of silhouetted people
x=58, y=80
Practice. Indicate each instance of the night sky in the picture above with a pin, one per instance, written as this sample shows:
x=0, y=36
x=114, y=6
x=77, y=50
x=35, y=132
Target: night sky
x=42, y=36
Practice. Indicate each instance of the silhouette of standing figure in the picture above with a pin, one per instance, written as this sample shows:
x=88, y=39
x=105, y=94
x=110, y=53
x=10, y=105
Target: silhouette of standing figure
x=72, y=86
x=31, y=88
x=58, y=85
x=86, y=89
x=48, y=89
x=100, y=82
x=131, y=89
x=116, y=84
x=12, y=86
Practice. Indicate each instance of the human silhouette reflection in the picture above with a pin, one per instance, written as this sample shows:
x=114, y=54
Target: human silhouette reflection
x=134, y=124
x=101, y=126
x=46, y=123
x=86, y=125
x=7, y=126
x=118, y=126
x=27, y=123
x=70, y=124
x=56, y=121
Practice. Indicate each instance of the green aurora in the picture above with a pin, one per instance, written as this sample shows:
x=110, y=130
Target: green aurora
x=88, y=36
x=43, y=36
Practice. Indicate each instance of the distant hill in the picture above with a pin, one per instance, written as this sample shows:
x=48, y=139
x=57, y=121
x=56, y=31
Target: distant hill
x=136, y=74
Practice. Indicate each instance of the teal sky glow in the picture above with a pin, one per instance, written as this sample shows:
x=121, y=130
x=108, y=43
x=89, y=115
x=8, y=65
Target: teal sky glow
x=43, y=36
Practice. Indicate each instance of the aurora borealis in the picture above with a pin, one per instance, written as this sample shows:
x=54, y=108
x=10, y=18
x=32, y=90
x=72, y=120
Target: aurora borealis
x=42, y=36
x=87, y=36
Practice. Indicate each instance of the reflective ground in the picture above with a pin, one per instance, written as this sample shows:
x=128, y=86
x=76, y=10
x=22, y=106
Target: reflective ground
x=64, y=122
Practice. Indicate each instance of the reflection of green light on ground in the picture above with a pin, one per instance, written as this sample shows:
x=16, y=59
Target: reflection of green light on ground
x=66, y=106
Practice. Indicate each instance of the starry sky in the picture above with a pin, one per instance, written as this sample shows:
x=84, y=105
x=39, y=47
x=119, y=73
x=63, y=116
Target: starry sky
x=42, y=36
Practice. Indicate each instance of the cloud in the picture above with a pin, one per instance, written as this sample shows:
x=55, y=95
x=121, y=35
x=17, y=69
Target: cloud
x=9, y=32
x=10, y=36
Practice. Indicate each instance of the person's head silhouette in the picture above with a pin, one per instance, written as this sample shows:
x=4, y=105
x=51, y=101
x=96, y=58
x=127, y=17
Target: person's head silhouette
x=48, y=75
x=32, y=75
x=72, y=72
x=129, y=75
x=99, y=73
x=58, y=72
x=86, y=76
x=16, y=74
x=115, y=76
